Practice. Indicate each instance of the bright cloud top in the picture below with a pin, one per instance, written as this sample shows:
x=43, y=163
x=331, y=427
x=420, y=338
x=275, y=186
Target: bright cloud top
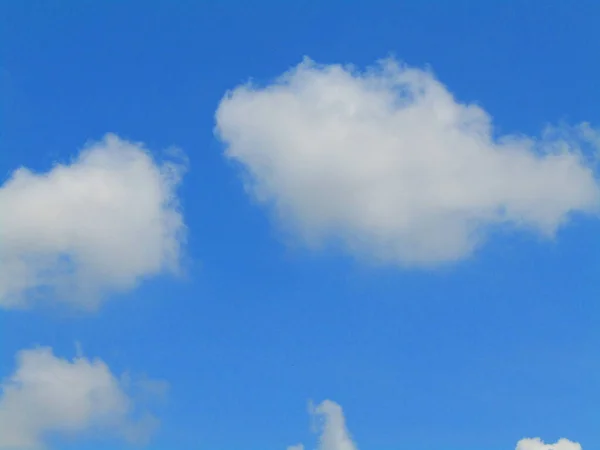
x=48, y=396
x=388, y=163
x=332, y=427
x=335, y=435
x=538, y=444
x=82, y=230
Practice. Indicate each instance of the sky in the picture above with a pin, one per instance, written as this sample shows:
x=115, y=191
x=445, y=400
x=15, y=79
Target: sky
x=299, y=225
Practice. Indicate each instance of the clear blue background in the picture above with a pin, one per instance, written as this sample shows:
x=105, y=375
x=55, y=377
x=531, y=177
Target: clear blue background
x=474, y=357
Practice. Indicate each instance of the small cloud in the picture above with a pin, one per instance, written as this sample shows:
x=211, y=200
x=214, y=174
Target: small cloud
x=83, y=230
x=335, y=436
x=48, y=395
x=538, y=444
x=331, y=425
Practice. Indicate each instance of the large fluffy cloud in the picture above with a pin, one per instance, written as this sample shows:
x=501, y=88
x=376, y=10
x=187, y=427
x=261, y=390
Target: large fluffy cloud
x=334, y=434
x=48, y=396
x=390, y=164
x=99, y=224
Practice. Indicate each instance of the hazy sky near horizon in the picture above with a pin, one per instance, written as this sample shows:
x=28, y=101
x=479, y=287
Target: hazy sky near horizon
x=299, y=224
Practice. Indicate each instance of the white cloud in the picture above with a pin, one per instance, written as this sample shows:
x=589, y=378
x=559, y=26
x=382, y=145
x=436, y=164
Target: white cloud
x=98, y=225
x=335, y=436
x=48, y=396
x=296, y=447
x=332, y=428
x=388, y=163
x=538, y=444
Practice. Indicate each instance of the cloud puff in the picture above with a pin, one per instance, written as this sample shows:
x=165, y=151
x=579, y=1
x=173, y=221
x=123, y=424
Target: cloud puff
x=296, y=447
x=48, y=396
x=332, y=428
x=335, y=436
x=388, y=163
x=538, y=444
x=80, y=231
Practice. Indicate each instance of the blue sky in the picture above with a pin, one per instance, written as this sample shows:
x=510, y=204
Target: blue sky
x=495, y=344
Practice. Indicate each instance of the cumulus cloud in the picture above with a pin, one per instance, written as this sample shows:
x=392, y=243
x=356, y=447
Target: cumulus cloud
x=335, y=436
x=389, y=164
x=332, y=428
x=538, y=444
x=48, y=396
x=85, y=229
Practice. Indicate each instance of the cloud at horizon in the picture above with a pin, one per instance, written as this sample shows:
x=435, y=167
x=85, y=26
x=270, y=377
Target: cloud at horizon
x=334, y=434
